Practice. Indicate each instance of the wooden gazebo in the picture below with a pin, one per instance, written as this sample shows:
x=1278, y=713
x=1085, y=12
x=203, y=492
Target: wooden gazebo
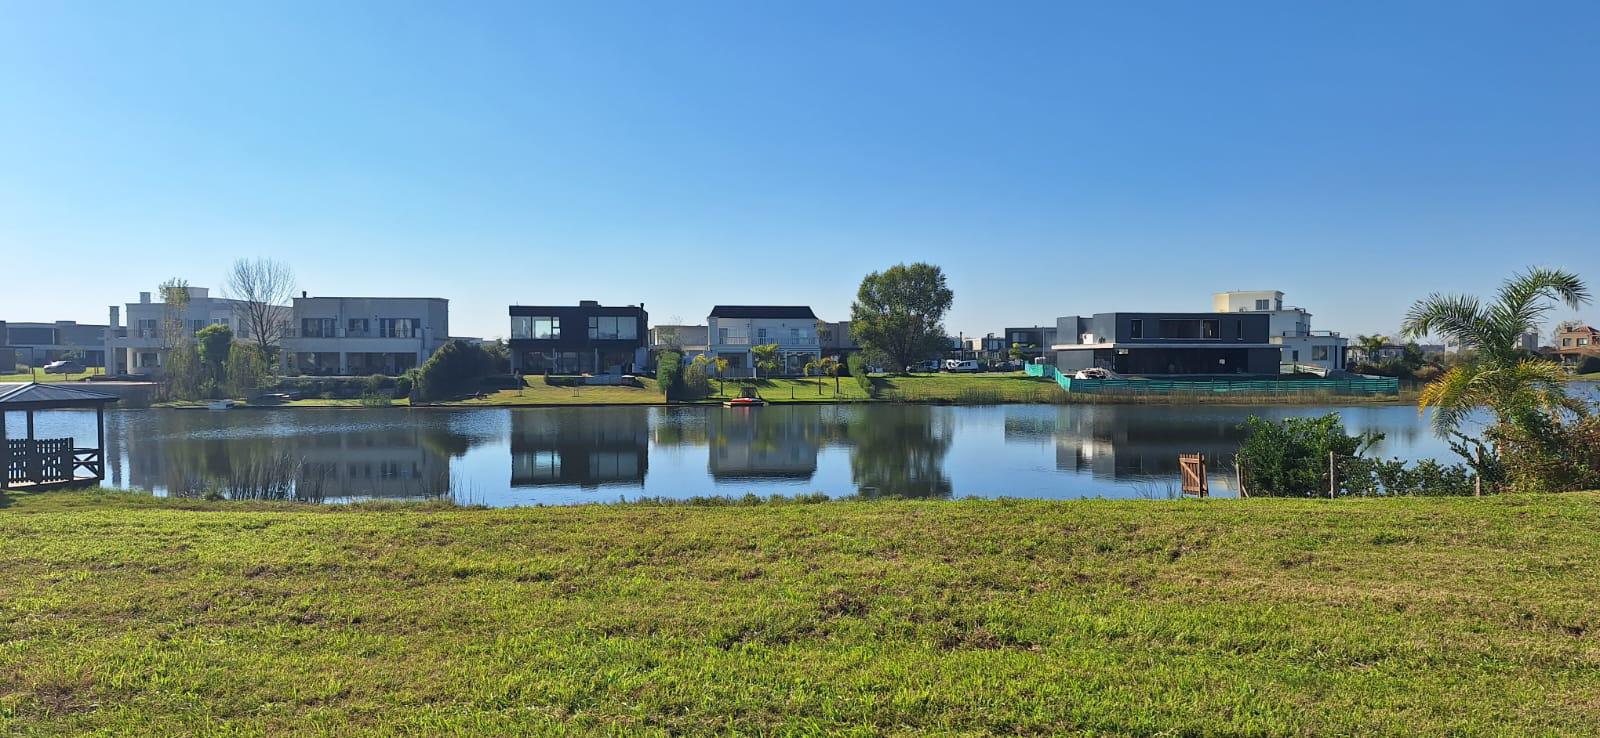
x=37, y=463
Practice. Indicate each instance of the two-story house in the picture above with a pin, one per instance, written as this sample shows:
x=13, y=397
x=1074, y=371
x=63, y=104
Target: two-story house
x=1032, y=342
x=1289, y=327
x=1578, y=342
x=1166, y=343
x=140, y=347
x=363, y=335
x=588, y=338
x=734, y=330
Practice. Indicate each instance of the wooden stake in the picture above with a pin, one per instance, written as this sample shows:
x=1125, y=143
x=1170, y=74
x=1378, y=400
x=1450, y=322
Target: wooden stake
x=1333, y=477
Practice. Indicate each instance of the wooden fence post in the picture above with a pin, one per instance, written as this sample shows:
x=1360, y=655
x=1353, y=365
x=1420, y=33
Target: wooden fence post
x=1333, y=476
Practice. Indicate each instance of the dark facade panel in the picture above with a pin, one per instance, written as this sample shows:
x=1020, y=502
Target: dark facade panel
x=588, y=337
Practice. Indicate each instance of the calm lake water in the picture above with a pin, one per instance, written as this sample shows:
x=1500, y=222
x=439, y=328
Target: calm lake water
x=560, y=456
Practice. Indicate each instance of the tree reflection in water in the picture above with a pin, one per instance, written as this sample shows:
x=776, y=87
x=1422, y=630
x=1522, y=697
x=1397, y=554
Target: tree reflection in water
x=899, y=451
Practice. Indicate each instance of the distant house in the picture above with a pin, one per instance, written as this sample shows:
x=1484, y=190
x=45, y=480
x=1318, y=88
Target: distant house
x=1035, y=342
x=588, y=338
x=1167, y=343
x=690, y=339
x=320, y=335
x=363, y=335
x=141, y=346
x=1579, y=342
x=1288, y=327
x=43, y=343
x=735, y=329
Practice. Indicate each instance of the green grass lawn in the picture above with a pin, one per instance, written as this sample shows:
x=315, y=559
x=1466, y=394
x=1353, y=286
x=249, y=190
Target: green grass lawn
x=984, y=388
x=42, y=377
x=129, y=615
x=536, y=392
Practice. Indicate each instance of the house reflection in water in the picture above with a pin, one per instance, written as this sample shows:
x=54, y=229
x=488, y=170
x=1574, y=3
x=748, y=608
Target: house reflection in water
x=580, y=447
x=204, y=454
x=1124, y=442
x=774, y=442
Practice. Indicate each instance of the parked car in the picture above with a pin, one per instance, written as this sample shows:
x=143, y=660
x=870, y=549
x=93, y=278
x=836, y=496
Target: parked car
x=63, y=367
x=1094, y=372
x=960, y=365
x=931, y=365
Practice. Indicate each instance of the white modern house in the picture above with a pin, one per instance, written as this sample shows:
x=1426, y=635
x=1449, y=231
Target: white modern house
x=1289, y=327
x=364, y=335
x=733, y=330
x=322, y=335
x=140, y=348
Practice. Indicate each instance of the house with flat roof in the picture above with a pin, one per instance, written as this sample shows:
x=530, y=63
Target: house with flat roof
x=363, y=335
x=320, y=335
x=1033, y=342
x=587, y=338
x=1166, y=343
x=1289, y=327
x=141, y=346
x=42, y=343
x=735, y=329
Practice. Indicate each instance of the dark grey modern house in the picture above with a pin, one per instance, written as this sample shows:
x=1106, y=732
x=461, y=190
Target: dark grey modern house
x=588, y=338
x=1033, y=342
x=42, y=343
x=1167, y=343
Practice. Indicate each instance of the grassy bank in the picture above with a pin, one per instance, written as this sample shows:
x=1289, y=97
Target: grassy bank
x=962, y=389
x=42, y=377
x=126, y=615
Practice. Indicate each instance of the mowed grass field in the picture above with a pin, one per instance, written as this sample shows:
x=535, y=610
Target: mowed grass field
x=127, y=615
x=40, y=376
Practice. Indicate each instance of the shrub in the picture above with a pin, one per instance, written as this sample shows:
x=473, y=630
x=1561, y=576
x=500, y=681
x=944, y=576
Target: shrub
x=404, y=383
x=457, y=368
x=1290, y=458
x=669, y=373
x=1589, y=365
x=697, y=377
x=857, y=366
x=1541, y=455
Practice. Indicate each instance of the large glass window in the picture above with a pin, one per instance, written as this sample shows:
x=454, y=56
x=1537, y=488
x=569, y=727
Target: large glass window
x=358, y=327
x=613, y=327
x=1263, y=304
x=537, y=327
x=1319, y=353
x=1136, y=329
x=317, y=328
x=400, y=327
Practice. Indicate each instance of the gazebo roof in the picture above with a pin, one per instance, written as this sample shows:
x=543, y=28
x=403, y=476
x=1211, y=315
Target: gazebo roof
x=28, y=396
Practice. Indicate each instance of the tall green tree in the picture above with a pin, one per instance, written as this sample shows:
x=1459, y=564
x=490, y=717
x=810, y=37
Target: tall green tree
x=1521, y=390
x=899, y=313
x=215, y=342
x=1369, y=346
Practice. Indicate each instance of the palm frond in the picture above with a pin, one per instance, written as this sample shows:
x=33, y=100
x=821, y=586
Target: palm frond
x=1460, y=317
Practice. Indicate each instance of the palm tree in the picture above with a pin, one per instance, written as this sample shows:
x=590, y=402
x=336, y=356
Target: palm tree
x=1519, y=389
x=1369, y=346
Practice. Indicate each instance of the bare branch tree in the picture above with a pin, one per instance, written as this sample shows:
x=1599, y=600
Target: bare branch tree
x=262, y=290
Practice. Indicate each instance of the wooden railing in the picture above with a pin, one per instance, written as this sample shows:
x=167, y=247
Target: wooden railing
x=49, y=461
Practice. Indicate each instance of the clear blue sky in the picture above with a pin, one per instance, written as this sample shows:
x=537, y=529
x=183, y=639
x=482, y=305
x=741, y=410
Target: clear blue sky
x=1055, y=158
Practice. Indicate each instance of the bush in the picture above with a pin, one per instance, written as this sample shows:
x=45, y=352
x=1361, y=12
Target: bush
x=1290, y=458
x=1589, y=365
x=857, y=366
x=697, y=377
x=1541, y=455
x=457, y=368
x=669, y=373
x=404, y=383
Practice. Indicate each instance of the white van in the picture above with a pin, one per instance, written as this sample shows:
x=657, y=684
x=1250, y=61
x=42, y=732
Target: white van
x=960, y=365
